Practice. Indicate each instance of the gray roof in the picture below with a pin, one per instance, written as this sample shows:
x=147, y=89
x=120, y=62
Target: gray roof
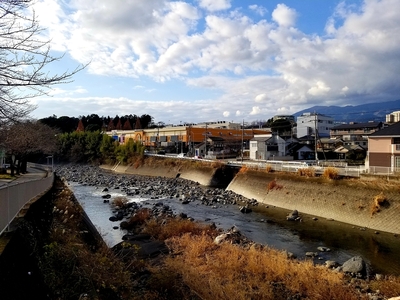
x=392, y=130
x=357, y=125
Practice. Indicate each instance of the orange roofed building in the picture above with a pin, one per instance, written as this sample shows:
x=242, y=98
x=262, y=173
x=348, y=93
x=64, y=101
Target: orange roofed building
x=185, y=138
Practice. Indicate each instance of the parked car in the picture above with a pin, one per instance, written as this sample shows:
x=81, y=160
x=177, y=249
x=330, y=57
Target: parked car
x=198, y=157
x=181, y=155
x=161, y=152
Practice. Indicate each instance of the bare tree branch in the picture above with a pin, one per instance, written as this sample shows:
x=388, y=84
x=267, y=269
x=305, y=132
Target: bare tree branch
x=24, y=57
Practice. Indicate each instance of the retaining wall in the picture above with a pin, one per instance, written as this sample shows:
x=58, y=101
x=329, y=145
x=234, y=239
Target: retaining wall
x=347, y=201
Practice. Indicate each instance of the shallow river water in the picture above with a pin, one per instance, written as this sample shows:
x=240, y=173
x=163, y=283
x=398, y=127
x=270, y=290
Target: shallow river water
x=266, y=225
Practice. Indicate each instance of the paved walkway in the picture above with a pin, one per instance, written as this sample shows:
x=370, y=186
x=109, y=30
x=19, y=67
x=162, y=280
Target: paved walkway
x=32, y=174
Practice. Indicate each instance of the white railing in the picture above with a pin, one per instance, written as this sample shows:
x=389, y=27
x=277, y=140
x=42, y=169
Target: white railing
x=14, y=196
x=294, y=166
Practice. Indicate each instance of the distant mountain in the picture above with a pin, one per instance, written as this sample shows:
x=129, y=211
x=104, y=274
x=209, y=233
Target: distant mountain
x=361, y=113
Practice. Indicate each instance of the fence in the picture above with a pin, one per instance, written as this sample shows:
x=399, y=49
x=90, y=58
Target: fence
x=294, y=166
x=14, y=196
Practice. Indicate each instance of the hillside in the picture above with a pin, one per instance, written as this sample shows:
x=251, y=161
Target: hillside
x=361, y=113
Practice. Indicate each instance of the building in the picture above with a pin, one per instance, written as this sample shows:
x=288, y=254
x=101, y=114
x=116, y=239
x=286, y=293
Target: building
x=185, y=138
x=393, y=117
x=308, y=123
x=267, y=147
x=289, y=118
x=355, y=134
x=384, y=148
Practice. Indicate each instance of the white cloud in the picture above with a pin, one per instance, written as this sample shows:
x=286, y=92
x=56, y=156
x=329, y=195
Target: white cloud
x=261, y=98
x=319, y=89
x=243, y=60
x=258, y=9
x=226, y=114
x=284, y=15
x=215, y=5
x=255, y=111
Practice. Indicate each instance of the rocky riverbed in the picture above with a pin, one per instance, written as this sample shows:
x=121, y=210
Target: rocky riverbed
x=184, y=191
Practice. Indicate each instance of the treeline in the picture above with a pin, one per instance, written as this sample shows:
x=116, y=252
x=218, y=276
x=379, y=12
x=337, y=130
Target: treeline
x=95, y=147
x=93, y=123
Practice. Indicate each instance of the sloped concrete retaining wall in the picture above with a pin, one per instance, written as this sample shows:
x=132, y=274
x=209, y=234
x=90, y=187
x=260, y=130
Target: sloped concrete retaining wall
x=347, y=201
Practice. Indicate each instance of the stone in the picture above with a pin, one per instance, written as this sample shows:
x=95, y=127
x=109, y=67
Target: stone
x=354, y=265
x=331, y=264
x=221, y=238
x=323, y=249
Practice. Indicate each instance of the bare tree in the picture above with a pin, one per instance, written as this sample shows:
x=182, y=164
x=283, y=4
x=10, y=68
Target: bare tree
x=24, y=139
x=24, y=57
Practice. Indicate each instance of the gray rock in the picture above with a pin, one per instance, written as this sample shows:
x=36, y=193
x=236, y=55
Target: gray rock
x=331, y=264
x=221, y=238
x=354, y=265
x=324, y=249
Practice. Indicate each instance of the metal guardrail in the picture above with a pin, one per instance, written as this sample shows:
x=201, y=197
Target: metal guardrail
x=14, y=196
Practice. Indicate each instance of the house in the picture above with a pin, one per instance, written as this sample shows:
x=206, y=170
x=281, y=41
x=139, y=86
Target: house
x=384, y=148
x=267, y=146
x=350, y=152
x=355, y=133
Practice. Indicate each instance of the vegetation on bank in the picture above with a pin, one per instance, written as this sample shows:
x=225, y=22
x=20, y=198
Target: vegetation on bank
x=73, y=263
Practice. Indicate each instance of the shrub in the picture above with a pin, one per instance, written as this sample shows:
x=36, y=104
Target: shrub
x=307, y=172
x=378, y=201
x=119, y=201
x=268, y=168
x=273, y=185
x=331, y=173
x=243, y=169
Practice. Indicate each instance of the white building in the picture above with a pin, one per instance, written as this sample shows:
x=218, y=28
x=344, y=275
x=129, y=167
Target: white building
x=308, y=122
x=267, y=147
x=393, y=117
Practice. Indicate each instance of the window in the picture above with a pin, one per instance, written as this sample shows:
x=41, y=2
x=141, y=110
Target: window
x=397, y=147
x=396, y=140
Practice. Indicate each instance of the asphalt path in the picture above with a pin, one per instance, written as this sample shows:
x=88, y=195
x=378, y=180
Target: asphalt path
x=31, y=174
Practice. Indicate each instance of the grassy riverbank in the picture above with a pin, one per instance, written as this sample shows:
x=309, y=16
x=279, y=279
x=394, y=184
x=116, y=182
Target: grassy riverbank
x=70, y=261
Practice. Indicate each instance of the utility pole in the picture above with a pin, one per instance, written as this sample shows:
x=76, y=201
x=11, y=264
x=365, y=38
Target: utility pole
x=315, y=136
x=242, y=139
x=205, y=142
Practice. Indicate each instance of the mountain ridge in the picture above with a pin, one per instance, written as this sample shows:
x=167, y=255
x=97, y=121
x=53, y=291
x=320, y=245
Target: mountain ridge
x=360, y=113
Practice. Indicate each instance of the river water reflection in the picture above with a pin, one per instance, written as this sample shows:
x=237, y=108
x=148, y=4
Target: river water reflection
x=265, y=225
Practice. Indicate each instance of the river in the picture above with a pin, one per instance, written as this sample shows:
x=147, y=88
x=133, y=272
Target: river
x=266, y=225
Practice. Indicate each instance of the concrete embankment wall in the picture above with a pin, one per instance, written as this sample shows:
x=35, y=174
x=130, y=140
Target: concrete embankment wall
x=206, y=175
x=347, y=201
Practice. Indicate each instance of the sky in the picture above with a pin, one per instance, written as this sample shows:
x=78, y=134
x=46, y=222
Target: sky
x=219, y=60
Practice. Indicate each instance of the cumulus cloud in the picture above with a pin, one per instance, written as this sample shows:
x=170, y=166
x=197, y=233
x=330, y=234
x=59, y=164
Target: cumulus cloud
x=243, y=59
x=258, y=9
x=226, y=114
x=255, y=111
x=261, y=98
x=215, y=5
x=284, y=15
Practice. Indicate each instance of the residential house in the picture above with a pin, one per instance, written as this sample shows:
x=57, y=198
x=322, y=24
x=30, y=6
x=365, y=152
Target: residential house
x=354, y=134
x=267, y=147
x=384, y=148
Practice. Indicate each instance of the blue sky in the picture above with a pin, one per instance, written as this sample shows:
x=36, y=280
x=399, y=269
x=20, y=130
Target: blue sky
x=208, y=60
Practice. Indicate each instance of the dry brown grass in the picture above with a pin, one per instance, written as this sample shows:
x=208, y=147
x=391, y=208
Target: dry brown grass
x=273, y=185
x=378, y=201
x=232, y=272
x=119, y=201
x=306, y=172
x=268, y=169
x=243, y=169
x=389, y=286
x=331, y=173
x=171, y=227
